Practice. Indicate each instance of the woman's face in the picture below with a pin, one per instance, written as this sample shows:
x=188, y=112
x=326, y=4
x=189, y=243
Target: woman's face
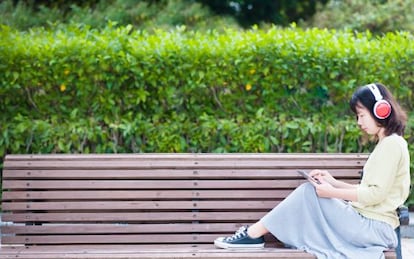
x=367, y=122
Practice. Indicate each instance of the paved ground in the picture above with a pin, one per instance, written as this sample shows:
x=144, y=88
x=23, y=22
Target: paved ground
x=407, y=241
x=407, y=249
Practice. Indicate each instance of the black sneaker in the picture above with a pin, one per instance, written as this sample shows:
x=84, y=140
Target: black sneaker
x=239, y=240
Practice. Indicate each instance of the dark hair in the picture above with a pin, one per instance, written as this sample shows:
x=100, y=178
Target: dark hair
x=396, y=121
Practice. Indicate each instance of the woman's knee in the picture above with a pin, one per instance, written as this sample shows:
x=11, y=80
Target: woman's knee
x=306, y=187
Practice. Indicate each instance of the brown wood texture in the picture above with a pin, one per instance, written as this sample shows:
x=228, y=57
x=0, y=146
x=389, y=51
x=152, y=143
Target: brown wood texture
x=156, y=205
x=150, y=252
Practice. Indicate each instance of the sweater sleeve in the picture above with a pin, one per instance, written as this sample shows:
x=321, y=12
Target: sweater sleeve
x=379, y=172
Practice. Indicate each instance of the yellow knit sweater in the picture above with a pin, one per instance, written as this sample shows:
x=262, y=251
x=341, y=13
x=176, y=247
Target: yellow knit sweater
x=385, y=183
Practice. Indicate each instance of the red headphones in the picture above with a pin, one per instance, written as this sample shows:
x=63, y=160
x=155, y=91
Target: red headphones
x=382, y=108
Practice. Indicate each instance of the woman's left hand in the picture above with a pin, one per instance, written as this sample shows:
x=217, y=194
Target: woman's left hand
x=324, y=189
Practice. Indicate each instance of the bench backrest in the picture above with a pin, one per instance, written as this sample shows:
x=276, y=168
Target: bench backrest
x=149, y=198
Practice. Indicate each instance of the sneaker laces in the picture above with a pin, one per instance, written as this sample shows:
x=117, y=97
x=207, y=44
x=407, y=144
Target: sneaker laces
x=242, y=231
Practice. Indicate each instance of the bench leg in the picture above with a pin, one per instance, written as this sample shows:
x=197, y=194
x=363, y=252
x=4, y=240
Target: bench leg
x=398, y=248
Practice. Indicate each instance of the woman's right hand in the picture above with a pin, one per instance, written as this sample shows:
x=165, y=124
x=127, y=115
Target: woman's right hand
x=323, y=175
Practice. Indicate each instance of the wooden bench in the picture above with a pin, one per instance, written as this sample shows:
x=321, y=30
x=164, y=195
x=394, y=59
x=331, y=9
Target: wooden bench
x=149, y=205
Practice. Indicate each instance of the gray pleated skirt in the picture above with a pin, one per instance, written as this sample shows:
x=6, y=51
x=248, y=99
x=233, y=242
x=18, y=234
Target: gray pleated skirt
x=327, y=228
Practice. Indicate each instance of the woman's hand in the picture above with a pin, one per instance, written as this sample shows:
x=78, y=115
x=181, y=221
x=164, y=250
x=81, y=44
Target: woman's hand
x=329, y=187
x=324, y=189
x=323, y=176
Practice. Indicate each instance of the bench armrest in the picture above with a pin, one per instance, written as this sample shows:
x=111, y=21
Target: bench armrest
x=403, y=215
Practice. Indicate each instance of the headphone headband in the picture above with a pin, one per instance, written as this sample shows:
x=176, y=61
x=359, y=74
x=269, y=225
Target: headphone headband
x=375, y=91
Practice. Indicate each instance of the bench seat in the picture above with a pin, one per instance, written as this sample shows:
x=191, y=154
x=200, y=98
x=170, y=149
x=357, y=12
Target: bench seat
x=149, y=205
x=147, y=252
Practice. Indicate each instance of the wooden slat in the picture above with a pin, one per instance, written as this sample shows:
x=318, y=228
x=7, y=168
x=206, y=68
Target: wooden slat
x=123, y=251
x=150, y=184
x=144, y=195
x=187, y=156
x=174, y=156
x=184, y=161
x=132, y=217
x=126, y=248
x=137, y=205
x=160, y=237
x=182, y=164
x=111, y=239
x=122, y=228
x=147, y=252
x=166, y=173
x=163, y=238
x=163, y=254
x=134, y=185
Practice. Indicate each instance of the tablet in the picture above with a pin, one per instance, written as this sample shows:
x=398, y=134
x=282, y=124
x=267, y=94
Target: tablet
x=309, y=178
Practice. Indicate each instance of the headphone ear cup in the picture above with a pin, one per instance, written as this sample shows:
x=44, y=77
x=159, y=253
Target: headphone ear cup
x=382, y=109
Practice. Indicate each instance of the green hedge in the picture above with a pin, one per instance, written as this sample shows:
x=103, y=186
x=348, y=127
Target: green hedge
x=78, y=90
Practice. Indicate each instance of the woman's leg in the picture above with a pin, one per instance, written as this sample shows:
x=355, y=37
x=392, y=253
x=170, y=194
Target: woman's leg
x=327, y=228
x=257, y=230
